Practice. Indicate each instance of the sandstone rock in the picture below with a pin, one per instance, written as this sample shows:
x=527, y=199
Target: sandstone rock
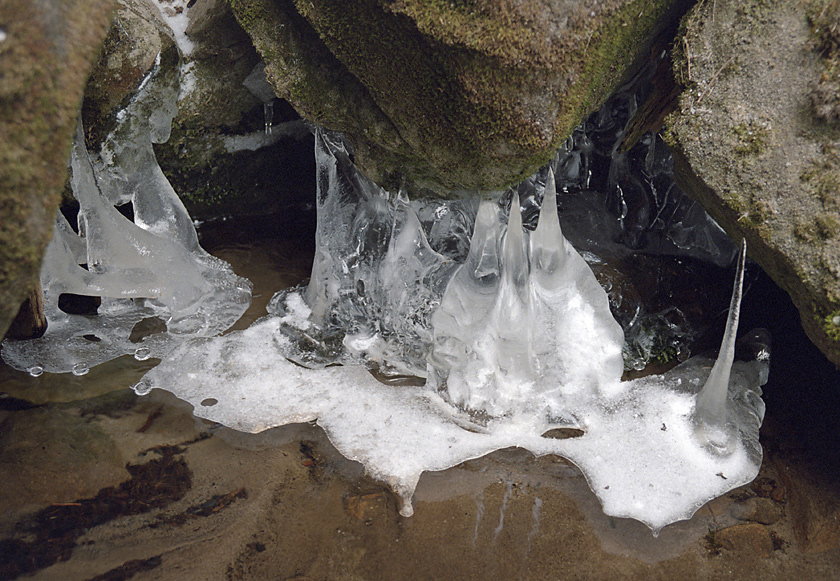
x=760, y=510
x=466, y=95
x=753, y=147
x=47, y=49
x=217, y=157
x=367, y=506
x=814, y=506
x=753, y=539
x=79, y=460
x=136, y=37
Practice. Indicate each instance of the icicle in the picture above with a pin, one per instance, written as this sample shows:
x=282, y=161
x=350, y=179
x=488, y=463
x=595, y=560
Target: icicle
x=715, y=425
x=151, y=267
x=548, y=246
x=522, y=341
x=268, y=112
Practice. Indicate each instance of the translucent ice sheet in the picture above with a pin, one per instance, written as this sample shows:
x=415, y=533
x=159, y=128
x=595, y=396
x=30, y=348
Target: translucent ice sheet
x=144, y=270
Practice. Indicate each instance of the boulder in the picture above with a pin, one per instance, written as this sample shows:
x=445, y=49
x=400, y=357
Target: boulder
x=47, y=49
x=136, y=37
x=452, y=95
x=218, y=155
x=756, y=140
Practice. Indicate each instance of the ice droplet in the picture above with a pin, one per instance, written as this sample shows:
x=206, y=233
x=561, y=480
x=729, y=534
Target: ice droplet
x=80, y=369
x=36, y=371
x=142, y=387
x=142, y=353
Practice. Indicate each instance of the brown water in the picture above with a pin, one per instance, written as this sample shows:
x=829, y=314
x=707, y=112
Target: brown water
x=98, y=483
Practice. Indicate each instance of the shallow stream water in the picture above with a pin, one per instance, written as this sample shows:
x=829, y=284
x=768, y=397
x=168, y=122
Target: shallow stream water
x=101, y=484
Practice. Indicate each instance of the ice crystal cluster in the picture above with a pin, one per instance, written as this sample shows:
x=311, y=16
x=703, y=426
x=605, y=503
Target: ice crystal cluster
x=431, y=332
x=149, y=270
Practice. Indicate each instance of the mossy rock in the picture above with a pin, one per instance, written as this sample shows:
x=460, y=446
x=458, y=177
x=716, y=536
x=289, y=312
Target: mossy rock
x=451, y=95
x=215, y=110
x=136, y=39
x=757, y=147
x=47, y=51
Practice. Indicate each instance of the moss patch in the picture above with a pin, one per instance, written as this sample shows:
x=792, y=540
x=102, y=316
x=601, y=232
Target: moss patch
x=451, y=95
x=824, y=20
x=752, y=139
x=831, y=325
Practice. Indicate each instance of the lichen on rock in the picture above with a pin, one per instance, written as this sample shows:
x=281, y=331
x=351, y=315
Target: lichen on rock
x=752, y=146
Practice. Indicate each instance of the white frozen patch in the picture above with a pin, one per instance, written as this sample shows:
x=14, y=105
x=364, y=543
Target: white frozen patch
x=259, y=139
x=638, y=452
x=188, y=79
x=174, y=13
x=298, y=312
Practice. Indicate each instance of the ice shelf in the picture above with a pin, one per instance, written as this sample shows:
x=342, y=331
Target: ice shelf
x=515, y=339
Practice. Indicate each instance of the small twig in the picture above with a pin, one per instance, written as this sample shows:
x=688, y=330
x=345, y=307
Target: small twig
x=687, y=57
x=152, y=417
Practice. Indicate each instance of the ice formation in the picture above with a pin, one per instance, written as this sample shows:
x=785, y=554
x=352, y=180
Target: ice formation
x=431, y=332
x=258, y=85
x=147, y=270
x=513, y=334
x=616, y=202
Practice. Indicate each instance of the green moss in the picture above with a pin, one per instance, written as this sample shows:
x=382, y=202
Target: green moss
x=831, y=326
x=828, y=226
x=752, y=139
x=824, y=21
x=823, y=174
x=817, y=230
x=804, y=230
x=459, y=94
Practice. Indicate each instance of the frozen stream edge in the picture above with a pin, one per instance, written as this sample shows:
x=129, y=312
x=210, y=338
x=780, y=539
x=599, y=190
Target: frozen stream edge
x=641, y=451
x=638, y=452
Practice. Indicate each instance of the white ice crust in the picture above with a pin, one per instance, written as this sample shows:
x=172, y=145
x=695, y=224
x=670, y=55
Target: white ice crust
x=516, y=341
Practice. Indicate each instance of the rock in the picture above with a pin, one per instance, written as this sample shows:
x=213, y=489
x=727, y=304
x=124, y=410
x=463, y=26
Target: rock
x=760, y=510
x=218, y=156
x=136, y=37
x=30, y=321
x=756, y=146
x=367, y=506
x=47, y=49
x=453, y=96
x=79, y=460
x=814, y=506
x=753, y=539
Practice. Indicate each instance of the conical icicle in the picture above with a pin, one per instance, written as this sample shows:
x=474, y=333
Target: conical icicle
x=713, y=422
x=548, y=246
